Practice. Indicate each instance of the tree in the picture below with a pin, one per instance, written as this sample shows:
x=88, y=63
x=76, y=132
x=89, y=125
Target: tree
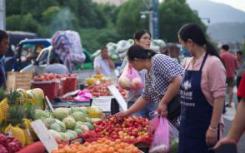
x=129, y=18
x=59, y=19
x=93, y=39
x=172, y=15
x=23, y=22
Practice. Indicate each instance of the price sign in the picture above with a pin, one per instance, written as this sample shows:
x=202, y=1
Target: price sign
x=45, y=137
x=104, y=103
x=49, y=104
x=121, y=101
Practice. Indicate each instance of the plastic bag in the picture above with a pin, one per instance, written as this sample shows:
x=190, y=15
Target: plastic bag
x=174, y=136
x=161, y=137
x=130, y=78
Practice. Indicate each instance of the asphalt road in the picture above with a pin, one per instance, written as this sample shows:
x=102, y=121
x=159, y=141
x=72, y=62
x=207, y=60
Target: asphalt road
x=241, y=145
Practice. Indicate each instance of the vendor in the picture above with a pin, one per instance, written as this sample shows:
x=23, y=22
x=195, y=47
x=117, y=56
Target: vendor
x=162, y=80
x=202, y=93
x=103, y=64
x=4, y=43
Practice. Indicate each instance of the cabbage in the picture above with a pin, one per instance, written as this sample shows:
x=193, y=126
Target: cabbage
x=79, y=125
x=71, y=134
x=79, y=116
x=61, y=113
x=75, y=109
x=55, y=134
x=48, y=121
x=84, y=128
x=89, y=125
x=78, y=130
x=64, y=136
x=56, y=127
x=40, y=114
x=61, y=124
x=69, y=122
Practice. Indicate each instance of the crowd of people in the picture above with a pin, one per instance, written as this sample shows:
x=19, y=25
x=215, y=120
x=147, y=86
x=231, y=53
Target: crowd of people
x=195, y=88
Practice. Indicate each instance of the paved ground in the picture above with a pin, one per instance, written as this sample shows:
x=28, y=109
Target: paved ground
x=229, y=115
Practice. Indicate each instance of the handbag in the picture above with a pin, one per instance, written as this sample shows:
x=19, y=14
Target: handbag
x=174, y=108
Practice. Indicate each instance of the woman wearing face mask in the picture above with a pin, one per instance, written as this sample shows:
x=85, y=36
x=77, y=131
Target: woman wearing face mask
x=202, y=93
x=143, y=39
x=162, y=80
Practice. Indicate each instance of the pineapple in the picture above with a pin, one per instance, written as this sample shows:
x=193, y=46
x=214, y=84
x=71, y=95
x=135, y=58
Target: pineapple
x=14, y=97
x=15, y=114
x=4, y=107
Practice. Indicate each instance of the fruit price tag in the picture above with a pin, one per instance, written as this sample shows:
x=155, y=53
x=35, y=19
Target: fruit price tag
x=121, y=101
x=45, y=137
x=103, y=103
x=49, y=104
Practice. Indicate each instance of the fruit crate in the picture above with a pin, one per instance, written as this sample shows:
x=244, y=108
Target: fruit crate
x=19, y=80
x=50, y=88
x=69, y=84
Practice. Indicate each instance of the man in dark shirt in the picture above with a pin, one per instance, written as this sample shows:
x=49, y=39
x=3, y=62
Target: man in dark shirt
x=4, y=43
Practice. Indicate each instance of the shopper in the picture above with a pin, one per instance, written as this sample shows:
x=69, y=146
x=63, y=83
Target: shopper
x=103, y=64
x=230, y=63
x=162, y=80
x=240, y=70
x=143, y=39
x=202, y=93
x=238, y=124
x=4, y=43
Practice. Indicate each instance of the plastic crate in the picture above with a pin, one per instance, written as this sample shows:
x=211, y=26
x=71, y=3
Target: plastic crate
x=69, y=84
x=50, y=88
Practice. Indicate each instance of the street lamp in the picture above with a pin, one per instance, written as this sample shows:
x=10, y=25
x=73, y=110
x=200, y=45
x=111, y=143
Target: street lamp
x=143, y=16
x=152, y=11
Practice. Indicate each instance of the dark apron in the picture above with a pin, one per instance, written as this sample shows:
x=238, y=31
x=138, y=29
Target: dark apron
x=196, y=114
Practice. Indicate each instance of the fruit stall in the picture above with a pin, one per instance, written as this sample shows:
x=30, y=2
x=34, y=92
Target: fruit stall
x=77, y=119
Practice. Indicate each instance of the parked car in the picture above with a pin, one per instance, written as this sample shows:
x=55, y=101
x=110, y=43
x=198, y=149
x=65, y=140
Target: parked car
x=45, y=56
x=11, y=55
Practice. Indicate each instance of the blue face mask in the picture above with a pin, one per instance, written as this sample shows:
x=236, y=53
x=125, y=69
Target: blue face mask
x=185, y=51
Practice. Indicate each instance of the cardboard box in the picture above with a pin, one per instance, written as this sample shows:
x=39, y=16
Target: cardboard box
x=19, y=80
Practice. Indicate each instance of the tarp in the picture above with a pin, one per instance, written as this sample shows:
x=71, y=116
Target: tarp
x=67, y=45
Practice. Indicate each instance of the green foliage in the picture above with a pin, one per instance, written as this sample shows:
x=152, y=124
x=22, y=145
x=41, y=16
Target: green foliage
x=23, y=23
x=172, y=15
x=93, y=39
x=97, y=24
x=128, y=20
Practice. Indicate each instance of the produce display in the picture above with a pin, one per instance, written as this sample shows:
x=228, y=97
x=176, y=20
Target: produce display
x=99, y=146
x=129, y=129
x=102, y=90
x=18, y=109
x=55, y=85
x=96, y=79
x=52, y=76
x=67, y=123
x=9, y=144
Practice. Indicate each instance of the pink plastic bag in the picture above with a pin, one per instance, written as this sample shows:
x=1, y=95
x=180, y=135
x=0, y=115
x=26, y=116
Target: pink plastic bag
x=161, y=137
x=130, y=78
